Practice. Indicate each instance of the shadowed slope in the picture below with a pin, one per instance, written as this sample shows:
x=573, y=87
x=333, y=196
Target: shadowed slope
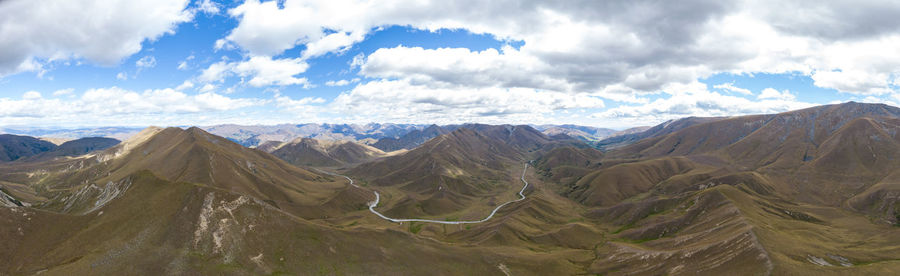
x=13, y=147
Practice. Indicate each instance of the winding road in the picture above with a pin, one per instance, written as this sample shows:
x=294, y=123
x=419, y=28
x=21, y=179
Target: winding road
x=374, y=204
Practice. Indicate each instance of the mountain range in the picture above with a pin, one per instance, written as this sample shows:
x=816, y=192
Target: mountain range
x=386, y=137
x=811, y=191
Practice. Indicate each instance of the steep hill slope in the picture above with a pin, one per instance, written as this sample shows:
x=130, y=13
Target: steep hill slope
x=162, y=227
x=565, y=165
x=633, y=135
x=827, y=153
x=13, y=147
x=447, y=174
x=76, y=147
x=194, y=156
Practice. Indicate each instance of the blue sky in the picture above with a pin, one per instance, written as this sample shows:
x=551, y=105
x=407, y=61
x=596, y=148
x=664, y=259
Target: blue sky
x=610, y=64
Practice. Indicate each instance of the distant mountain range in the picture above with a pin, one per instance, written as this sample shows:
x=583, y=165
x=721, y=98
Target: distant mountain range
x=386, y=137
x=118, y=133
x=15, y=147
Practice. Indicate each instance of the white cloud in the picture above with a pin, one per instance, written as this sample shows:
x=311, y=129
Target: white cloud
x=335, y=42
x=115, y=100
x=451, y=66
x=856, y=82
x=122, y=76
x=146, y=62
x=34, y=32
x=731, y=88
x=771, y=93
x=31, y=95
x=620, y=49
x=62, y=92
x=208, y=7
x=261, y=71
x=217, y=72
x=208, y=88
x=183, y=65
x=402, y=101
x=265, y=71
x=222, y=44
x=185, y=85
x=113, y=104
x=589, y=47
x=341, y=82
x=286, y=102
x=695, y=100
x=357, y=61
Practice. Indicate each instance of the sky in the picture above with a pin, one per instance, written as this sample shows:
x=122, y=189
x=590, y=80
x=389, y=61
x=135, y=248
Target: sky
x=614, y=64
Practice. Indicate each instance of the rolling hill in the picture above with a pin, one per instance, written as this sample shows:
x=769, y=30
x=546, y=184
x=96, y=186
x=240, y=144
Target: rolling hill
x=445, y=175
x=319, y=153
x=13, y=147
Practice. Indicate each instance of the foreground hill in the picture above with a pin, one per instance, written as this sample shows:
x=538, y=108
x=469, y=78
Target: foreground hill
x=155, y=226
x=173, y=201
x=192, y=155
x=789, y=193
x=828, y=153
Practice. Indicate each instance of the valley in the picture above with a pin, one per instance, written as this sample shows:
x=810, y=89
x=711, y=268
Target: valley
x=374, y=204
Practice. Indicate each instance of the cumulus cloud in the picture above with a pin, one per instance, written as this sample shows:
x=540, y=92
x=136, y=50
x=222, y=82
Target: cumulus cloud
x=216, y=72
x=208, y=7
x=341, y=82
x=208, y=87
x=185, y=85
x=771, y=93
x=451, y=66
x=146, y=62
x=646, y=55
x=102, y=104
x=63, y=92
x=833, y=20
x=695, y=100
x=261, y=71
x=264, y=71
x=617, y=49
x=402, y=101
x=34, y=32
x=183, y=65
x=31, y=95
x=731, y=88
